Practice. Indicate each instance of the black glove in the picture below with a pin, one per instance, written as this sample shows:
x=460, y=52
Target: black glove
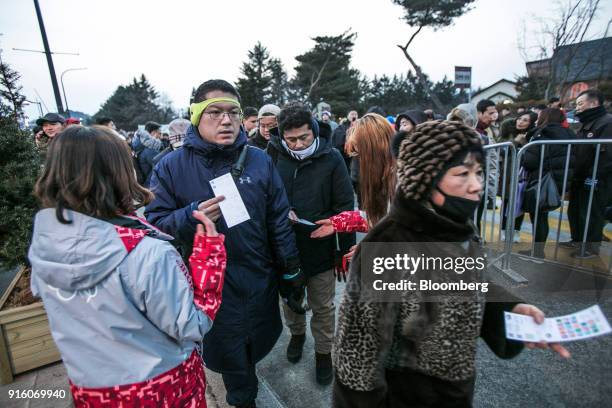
x=291, y=288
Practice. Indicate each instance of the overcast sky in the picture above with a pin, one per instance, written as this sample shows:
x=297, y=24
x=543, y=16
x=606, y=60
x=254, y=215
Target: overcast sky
x=180, y=43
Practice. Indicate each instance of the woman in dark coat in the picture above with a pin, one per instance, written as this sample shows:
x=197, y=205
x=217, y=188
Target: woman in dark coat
x=516, y=129
x=555, y=156
x=519, y=133
x=411, y=352
x=405, y=123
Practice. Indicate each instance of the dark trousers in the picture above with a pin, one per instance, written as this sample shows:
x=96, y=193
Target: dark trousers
x=406, y=390
x=541, y=229
x=241, y=388
x=577, y=212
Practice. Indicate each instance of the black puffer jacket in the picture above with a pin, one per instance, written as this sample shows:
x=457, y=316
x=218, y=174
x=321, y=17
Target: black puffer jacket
x=258, y=141
x=597, y=126
x=339, y=140
x=317, y=187
x=554, y=155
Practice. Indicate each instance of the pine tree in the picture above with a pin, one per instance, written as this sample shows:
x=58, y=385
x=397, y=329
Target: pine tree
x=403, y=92
x=10, y=90
x=280, y=83
x=20, y=164
x=324, y=73
x=135, y=104
x=531, y=87
x=434, y=14
x=263, y=79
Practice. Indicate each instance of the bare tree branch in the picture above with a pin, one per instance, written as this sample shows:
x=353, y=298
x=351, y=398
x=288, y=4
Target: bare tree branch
x=314, y=82
x=421, y=77
x=571, y=26
x=412, y=37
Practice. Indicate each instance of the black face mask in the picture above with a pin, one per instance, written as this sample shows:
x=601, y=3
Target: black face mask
x=456, y=208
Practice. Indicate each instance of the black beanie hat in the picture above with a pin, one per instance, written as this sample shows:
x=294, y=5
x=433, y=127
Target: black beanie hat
x=427, y=151
x=415, y=116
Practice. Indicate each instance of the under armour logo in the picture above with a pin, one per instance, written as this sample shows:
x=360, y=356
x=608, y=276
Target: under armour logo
x=245, y=180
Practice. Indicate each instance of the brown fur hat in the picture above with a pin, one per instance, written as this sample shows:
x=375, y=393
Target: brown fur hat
x=427, y=151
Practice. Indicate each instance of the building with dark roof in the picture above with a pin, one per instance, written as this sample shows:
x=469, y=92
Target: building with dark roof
x=576, y=67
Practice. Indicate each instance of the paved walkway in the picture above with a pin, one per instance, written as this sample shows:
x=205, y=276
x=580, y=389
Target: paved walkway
x=535, y=378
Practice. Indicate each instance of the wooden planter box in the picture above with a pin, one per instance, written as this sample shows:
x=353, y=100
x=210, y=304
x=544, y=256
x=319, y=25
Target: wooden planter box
x=25, y=339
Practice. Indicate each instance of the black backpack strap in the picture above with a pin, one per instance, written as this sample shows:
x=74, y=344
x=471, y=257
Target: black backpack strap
x=238, y=166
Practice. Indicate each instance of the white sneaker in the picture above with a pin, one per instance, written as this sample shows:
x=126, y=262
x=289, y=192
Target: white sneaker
x=517, y=237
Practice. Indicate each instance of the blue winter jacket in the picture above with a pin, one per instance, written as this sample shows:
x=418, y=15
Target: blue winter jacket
x=256, y=249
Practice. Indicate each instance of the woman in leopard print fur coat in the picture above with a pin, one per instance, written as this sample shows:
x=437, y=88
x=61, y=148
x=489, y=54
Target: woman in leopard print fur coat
x=411, y=352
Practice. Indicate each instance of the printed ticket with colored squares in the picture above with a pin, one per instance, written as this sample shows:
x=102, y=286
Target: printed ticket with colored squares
x=584, y=324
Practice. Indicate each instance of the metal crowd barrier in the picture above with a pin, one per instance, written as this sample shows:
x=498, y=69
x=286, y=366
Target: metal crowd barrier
x=515, y=167
x=501, y=157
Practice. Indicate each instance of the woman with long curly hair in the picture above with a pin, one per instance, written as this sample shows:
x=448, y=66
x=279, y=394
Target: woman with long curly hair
x=369, y=140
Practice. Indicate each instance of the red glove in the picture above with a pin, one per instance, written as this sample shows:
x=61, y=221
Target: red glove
x=349, y=221
x=207, y=263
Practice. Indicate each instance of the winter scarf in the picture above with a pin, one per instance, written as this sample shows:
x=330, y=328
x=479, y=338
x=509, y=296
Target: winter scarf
x=590, y=115
x=302, y=154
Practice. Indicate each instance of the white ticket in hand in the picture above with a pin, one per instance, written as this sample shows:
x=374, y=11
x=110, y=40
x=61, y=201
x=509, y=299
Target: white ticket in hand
x=306, y=222
x=584, y=324
x=232, y=208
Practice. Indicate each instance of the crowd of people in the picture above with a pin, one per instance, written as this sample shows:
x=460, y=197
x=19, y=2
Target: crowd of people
x=137, y=306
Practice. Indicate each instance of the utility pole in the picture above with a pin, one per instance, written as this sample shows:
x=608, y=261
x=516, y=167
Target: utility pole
x=56, y=91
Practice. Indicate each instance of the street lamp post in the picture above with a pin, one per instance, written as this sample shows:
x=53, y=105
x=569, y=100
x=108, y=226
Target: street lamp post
x=64, y=90
x=39, y=107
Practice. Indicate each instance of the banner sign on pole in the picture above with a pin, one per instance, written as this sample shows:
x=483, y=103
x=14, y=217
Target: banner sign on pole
x=463, y=77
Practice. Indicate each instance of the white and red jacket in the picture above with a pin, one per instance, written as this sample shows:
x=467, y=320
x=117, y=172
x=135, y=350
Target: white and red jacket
x=124, y=310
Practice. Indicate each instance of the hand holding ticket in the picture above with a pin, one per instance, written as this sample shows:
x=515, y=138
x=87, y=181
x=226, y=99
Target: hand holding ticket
x=581, y=325
x=296, y=220
x=306, y=222
x=233, y=209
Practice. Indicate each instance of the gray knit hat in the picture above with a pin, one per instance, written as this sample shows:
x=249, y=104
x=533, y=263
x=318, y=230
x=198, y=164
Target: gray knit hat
x=427, y=151
x=268, y=110
x=178, y=127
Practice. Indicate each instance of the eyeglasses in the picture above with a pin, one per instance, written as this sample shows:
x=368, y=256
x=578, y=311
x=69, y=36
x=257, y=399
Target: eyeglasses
x=268, y=127
x=218, y=115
